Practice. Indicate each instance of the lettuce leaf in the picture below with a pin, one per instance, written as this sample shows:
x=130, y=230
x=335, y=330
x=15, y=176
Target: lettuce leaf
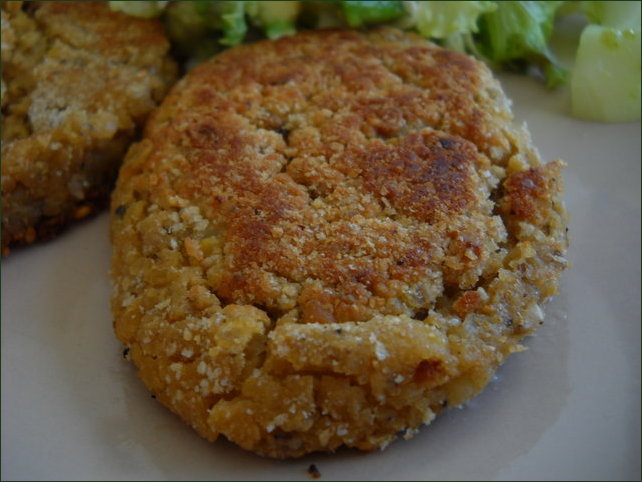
x=358, y=14
x=440, y=20
x=198, y=29
x=276, y=19
x=226, y=16
x=517, y=33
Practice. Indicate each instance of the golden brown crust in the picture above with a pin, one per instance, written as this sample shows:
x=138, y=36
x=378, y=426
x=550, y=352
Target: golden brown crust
x=78, y=81
x=314, y=245
x=529, y=194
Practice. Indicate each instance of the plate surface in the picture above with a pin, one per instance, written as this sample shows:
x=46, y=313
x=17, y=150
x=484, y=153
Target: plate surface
x=568, y=408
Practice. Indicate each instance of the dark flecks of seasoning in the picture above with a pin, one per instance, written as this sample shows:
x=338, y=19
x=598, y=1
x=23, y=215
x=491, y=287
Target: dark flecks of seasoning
x=284, y=133
x=420, y=315
x=338, y=331
x=120, y=210
x=313, y=471
x=446, y=143
x=126, y=353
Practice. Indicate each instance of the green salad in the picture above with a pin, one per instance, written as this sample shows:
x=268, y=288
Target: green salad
x=514, y=35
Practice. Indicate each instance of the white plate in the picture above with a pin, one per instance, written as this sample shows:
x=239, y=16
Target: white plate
x=568, y=408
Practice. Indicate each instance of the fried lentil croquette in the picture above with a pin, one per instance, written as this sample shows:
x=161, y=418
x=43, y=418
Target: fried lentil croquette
x=327, y=239
x=78, y=81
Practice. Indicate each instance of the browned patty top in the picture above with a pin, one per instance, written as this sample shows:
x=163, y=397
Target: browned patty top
x=359, y=161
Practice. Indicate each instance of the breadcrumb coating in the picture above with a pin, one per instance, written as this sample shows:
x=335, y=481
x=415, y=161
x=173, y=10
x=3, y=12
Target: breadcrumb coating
x=328, y=239
x=78, y=82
